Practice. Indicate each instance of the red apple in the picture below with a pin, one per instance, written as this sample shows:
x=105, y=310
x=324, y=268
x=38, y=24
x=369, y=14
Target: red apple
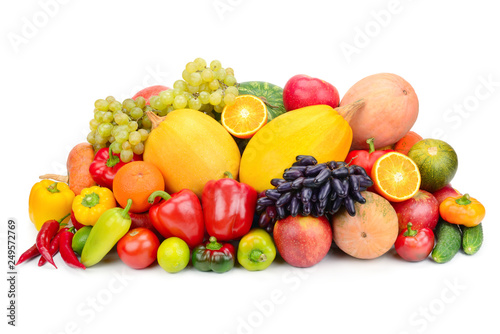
x=445, y=192
x=147, y=92
x=302, y=91
x=303, y=241
x=422, y=210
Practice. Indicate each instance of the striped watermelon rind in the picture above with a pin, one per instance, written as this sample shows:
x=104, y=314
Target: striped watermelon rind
x=272, y=96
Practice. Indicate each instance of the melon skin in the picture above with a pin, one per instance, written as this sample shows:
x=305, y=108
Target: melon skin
x=369, y=234
x=391, y=109
x=437, y=162
x=190, y=149
x=315, y=130
x=272, y=94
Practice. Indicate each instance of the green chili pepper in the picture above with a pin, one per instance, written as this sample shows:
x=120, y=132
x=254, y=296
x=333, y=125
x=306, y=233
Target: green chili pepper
x=256, y=250
x=111, y=226
x=213, y=256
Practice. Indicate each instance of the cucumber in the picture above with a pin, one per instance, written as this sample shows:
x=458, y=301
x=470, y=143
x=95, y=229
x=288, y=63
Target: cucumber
x=472, y=239
x=449, y=241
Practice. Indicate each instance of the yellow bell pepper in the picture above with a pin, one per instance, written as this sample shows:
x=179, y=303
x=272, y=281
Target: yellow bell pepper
x=92, y=203
x=49, y=200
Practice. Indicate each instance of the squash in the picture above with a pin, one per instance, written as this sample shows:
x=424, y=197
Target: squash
x=190, y=148
x=391, y=109
x=369, y=234
x=315, y=130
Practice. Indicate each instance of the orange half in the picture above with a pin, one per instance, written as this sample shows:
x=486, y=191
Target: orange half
x=396, y=177
x=245, y=117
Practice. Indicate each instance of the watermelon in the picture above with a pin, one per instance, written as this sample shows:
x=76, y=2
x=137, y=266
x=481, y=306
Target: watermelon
x=437, y=162
x=272, y=96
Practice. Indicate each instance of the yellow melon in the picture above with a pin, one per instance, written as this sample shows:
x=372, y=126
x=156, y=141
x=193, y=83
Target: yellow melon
x=190, y=148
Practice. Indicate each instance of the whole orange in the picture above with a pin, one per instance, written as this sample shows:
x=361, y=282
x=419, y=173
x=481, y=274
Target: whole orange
x=137, y=180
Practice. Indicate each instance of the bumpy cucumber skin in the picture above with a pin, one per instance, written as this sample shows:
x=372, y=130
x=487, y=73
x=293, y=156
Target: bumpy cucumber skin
x=449, y=241
x=472, y=239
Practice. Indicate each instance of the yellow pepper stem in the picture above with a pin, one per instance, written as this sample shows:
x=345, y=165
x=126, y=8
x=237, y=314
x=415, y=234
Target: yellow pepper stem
x=53, y=188
x=464, y=200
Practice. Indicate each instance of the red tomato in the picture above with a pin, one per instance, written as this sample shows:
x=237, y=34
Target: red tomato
x=138, y=248
x=414, y=245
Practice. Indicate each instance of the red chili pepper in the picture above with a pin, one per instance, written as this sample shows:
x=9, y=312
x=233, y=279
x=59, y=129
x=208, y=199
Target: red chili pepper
x=105, y=166
x=53, y=248
x=67, y=253
x=47, y=231
x=75, y=222
x=414, y=245
x=28, y=255
x=179, y=215
x=229, y=207
x=366, y=158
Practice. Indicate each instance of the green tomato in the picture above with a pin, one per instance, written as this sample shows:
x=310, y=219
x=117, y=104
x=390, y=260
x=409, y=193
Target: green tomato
x=256, y=250
x=173, y=255
x=80, y=238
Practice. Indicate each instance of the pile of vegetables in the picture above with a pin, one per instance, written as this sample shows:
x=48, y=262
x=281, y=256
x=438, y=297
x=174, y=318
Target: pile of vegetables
x=189, y=190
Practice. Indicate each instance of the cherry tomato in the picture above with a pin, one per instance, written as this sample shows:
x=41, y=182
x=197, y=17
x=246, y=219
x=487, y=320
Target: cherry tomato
x=414, y=245
x=138, y=248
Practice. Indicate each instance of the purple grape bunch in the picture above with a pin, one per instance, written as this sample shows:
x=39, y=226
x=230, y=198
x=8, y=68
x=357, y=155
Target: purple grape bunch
x=311, y=189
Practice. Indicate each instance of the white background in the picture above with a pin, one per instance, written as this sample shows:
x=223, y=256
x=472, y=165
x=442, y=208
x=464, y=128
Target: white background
x=87, y=50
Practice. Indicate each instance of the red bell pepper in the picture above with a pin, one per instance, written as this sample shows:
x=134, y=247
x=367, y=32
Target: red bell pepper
x=415, y=245
x=229, y=207
x=179, y=215
x=105, y=166
x=366, y=158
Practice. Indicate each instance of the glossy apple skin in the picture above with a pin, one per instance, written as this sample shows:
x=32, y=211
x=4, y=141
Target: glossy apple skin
x=303, y=241
x=422, y=210
x=445, y=192
x=302, y=91
x=147, y=92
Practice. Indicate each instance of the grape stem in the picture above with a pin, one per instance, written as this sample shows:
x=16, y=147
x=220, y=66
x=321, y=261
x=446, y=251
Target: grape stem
x=59, y=178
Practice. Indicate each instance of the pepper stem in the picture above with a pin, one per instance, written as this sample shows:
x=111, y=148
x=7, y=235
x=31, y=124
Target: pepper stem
x=229, y=175
x=213, y=244
x=90, y=200
x=257, y=255
x=125, y=210
x=112, y=159
x=60, y=220
x=464, y=200
x=53, y=188
x=158, y=193
x=371, y=143
x=409, y=231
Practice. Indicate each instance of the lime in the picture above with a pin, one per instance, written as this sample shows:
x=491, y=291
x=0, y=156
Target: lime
x=173, y=255
x=80, y=238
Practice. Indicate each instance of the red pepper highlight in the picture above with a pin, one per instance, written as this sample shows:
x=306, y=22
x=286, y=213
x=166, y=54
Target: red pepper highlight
x=179, y=215
x=28, y=254
x=229, y=207
x=53, y=248
x=47, y=231
x=67, y=253
x=105, y=166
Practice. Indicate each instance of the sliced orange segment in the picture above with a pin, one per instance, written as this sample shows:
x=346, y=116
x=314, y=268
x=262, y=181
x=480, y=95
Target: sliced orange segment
x=396, y=177
x=245, y=117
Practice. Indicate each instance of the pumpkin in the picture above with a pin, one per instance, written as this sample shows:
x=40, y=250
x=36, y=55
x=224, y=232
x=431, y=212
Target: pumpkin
x=190, y=148
x=391, y=109
x=315, y=130
x=371, y=232
x=437, y=162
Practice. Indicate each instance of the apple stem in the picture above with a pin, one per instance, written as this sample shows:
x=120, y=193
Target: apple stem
x=349, y=110
x=155, y=119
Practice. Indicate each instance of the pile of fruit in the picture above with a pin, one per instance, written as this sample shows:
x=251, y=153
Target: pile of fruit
x=215, y=172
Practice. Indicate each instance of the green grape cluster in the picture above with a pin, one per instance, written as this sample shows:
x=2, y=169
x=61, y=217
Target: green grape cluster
x=122, y=126
x=204, y=88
